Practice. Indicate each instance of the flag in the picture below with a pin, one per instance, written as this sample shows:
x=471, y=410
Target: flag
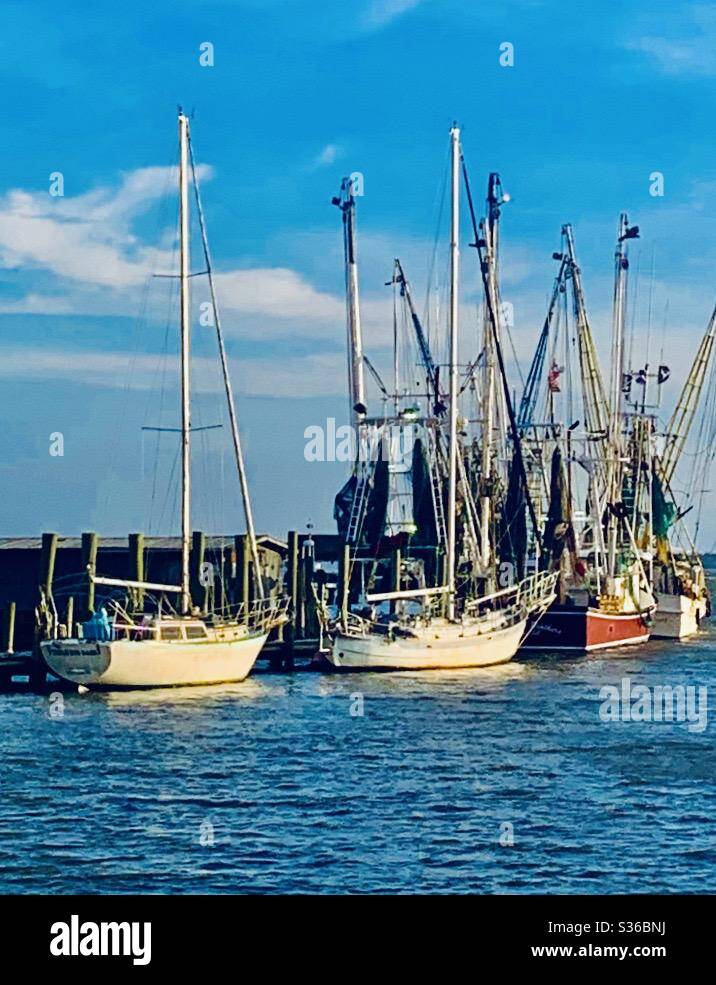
x=553, y=378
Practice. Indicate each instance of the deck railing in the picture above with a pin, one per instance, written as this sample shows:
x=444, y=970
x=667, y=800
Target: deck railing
x=534, y=592
x=509, y=605
x=261, y=615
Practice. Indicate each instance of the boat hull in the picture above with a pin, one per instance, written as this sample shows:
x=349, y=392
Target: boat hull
x=578, y=629
x=446, y=648
x=677, y=617
x=143, y=664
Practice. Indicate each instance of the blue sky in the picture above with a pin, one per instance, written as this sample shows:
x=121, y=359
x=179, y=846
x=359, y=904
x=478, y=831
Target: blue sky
x=300, y=94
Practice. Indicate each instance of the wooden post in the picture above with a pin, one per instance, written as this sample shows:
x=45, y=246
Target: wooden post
x=70, y=615
x=90, y=544
x=226, y=552
x=309, y=625
x=8, y=641
x=300, y=595
x=293, y=592
x=136, y=566
x=238, y=569
x=345, y=582
x=199, y=592
x=395, y=574
x=396, y=569
x=246, y=592
x=38, y=671
x=47, y=562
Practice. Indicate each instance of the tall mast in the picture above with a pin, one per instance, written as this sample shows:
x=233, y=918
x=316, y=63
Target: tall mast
x=453, y=450
x=433, y=383
x=396, y=355
x=679, y=426
x=621, y=266
x=235, y=434
x=615, y=452
x=531, y=389
x=490, y=229
x=596, y=407
x=356, y=385
x=185, y=403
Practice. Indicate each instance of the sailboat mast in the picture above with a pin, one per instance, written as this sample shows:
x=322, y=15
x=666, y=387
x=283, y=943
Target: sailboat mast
x=185, y=402
x=235, y=434
x=453, y=450
x=355, y=337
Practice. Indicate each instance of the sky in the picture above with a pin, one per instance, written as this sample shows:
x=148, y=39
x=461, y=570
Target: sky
x=300, y=94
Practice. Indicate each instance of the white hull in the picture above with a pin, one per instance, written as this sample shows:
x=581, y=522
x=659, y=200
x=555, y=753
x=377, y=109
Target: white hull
x=150, y=663
x=676, y=617
x=440, y=646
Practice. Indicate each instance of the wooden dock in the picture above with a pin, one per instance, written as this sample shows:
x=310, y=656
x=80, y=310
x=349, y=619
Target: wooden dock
x=44, y=583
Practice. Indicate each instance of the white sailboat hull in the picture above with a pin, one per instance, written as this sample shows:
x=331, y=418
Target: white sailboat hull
x=444, y=647
x=676, y=617
x=150, y=663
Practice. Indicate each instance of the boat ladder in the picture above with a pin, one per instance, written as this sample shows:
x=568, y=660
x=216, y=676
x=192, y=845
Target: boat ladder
x=358, y=507
x=436, y=490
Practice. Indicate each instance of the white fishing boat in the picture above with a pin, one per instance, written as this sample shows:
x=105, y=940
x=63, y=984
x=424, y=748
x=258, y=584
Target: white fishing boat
x=163, y=646
x=683, y=599
x=676, y=618
x=449, y=625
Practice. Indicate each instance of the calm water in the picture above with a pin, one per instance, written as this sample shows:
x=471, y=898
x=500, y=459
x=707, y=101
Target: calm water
x=302, y=796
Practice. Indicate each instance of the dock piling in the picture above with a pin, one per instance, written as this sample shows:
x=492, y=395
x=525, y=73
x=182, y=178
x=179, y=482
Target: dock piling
x=70, y=615
x=199, y=592
x=136, y=565
x=90, y=543
x=8, y=636
x=345, y=582
x=293, y=592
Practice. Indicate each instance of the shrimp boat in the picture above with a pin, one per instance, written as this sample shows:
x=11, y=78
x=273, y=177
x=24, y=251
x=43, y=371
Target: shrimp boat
x=421, y=491
x=674, y=568
x=679, y=577
x=144, y=647
x=604, y=594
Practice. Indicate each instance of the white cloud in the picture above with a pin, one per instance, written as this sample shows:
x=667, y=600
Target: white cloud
x=94, y=262
x=317, y=374
x=86, y=238
x=277, y=292
x=329, y=155
x=678, y=57
x=382, y=12
x=680, y=49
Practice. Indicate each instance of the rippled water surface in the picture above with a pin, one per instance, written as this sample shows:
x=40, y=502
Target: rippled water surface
x=126, y=792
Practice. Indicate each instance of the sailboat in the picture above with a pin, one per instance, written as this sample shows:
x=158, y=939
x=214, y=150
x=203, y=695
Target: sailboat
x=604, y=590
x=161, y=646
x=464, y=618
